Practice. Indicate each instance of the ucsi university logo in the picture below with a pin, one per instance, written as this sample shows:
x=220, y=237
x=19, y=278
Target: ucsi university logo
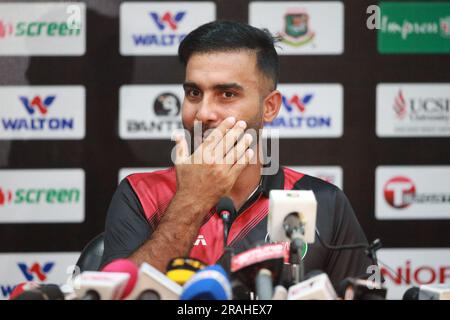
x=36, y=271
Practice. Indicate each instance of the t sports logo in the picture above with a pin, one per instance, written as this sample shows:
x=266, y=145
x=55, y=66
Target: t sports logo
x=36, y=271
x=399, y=192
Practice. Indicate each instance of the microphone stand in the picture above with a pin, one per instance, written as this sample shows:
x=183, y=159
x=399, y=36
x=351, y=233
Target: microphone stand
x=294, y=227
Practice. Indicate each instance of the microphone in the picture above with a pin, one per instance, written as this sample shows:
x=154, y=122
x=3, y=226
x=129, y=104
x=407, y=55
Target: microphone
x=288, y=209
x=292, y=218
x=247, y=267
x=180, y=270
x=264, y=285
x=21, y=288
x=317, y=287
x=361, y=289
x=125, y=266
x=411, y=294
x=225, y=208
x=210, y=283
x=33, y=291
x=428, y=292
x=280, y=293
x=95, y=285
x=154, y=285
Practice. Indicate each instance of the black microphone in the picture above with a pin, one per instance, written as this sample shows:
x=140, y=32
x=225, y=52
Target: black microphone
x=43, y=292
x=225, y=208
x=361, y=289
x=411, y=294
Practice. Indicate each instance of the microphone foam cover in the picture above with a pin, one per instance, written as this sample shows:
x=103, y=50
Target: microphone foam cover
x=125, y=266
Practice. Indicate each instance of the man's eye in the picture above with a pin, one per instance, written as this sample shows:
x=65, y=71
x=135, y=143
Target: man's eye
x=193, y=93
x=228, y=94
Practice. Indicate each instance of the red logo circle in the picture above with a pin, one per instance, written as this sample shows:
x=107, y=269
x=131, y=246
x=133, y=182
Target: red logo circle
x=399, y=192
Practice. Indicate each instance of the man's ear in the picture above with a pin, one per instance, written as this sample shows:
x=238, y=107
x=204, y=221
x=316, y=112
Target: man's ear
x=272, y=104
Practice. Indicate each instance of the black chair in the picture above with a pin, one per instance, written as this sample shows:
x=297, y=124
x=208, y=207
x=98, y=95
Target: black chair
x=91, y=256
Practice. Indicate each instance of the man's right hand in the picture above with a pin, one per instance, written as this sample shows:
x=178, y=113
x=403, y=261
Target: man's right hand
x=212, y=169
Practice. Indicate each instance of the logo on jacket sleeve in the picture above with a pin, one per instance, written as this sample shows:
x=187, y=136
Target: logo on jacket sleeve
x=200, y=240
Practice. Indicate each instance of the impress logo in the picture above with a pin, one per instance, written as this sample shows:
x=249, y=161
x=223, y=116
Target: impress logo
x=158, y=28
x=36, y=271
x=167, y=19
x=38, y=112
x=33, y=29
x=415, y=27
x=309, y=111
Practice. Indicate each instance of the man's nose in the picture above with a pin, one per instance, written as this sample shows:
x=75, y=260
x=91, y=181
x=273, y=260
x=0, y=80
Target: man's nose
x=207, y=111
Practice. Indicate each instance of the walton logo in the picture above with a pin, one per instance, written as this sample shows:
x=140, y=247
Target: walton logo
x=297, y=31
x=292, y=120
x=37, y=102
x=400, y=105
x=169, y=38
x=36, y=123
x=5, y=196
x=399, y=192
x=167, y=19
x=36, y=270
x=297, y=101
x=6, y=29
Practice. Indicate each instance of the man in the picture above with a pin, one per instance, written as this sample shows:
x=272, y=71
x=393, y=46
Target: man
x=230, y=87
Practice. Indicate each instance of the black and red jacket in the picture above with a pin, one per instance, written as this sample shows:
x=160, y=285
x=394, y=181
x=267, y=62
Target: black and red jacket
x=141, y=200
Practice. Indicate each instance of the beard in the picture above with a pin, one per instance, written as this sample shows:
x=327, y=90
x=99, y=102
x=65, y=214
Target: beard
x=199, y=131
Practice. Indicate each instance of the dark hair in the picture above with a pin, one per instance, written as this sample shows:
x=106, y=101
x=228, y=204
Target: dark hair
x=220, y=36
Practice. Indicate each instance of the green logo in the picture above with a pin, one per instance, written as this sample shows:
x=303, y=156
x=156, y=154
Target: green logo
x=50, y=196
x=415, y=27
x=296, y=31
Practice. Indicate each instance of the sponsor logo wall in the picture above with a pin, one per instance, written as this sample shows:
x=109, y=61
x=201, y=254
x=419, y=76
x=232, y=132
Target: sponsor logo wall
x=42, y=112
x=414, y=267
x=392, y=139
x=150, y=112
x=313, y=27
x=414, y=27
x=43, y=29
x=16, y=268
x=124, y=172
x=42, y=195
x=413, y=110
x=331, y=174
x=412, y=192
x=310, y=110
x=158, y=28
